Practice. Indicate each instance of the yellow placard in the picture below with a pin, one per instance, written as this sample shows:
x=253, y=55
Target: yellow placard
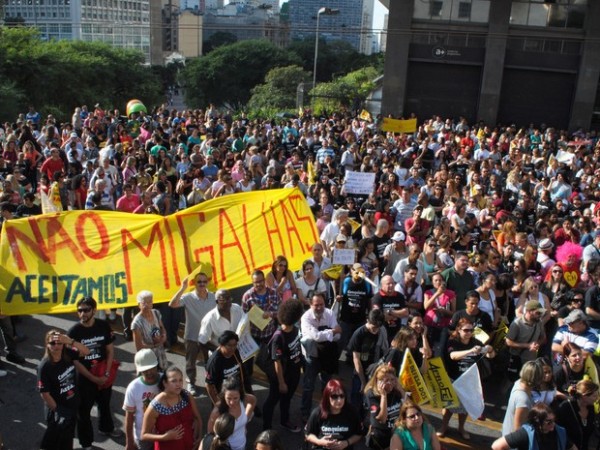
x=439, y=385
x=49, y=262
x=412, y=380
x=365, y=115
x=399, y=125
x=256, y=317
x=481, y=335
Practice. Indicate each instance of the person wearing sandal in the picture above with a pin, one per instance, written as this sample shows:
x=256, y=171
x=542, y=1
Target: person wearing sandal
x=463, y=350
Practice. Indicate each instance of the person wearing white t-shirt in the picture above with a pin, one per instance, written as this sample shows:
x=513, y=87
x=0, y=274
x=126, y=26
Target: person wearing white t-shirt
x=138, y=395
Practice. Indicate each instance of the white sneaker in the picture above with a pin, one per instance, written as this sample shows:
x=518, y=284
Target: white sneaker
x=3, y=373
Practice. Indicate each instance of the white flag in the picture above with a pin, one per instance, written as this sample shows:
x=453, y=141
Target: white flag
x=469, y=391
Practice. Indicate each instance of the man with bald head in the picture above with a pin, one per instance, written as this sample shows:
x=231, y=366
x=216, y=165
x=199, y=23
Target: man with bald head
x=393, y=305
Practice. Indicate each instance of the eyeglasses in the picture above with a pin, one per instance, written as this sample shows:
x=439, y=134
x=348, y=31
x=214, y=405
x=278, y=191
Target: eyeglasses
x=549, y=421
x=337, y=396
x=414, y=416
x=557, y=271
x=55, y=343
x=467, y=330
x=83, y=310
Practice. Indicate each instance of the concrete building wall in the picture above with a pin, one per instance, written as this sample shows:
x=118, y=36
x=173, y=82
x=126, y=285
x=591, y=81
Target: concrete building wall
x=507, y=61
x=190, y=34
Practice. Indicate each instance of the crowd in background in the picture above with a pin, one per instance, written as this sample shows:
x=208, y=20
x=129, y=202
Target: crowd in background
x=468, y=228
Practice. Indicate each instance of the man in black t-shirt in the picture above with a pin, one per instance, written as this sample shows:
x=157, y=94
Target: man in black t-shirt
x=368, y=344
x=354, y=303
x=393, y=305
x=224, y=362
x=97, y=336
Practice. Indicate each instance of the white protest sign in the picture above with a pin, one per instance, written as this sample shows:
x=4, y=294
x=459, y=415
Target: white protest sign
x=359, y=183
x=344, y=256
x=247, y=346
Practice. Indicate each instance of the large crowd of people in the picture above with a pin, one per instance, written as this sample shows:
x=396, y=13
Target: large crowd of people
x=477, y=244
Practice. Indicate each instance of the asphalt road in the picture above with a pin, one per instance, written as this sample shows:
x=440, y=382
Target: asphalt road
x=21, y=409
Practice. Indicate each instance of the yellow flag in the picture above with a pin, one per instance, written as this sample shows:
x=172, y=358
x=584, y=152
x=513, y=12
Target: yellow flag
x=591, y=373
x=481, y=335
x=365, y=115
x=399, y=126
x=439, y=385
x=354, y=224
x=334, y=272
x=499, y=336
x=412, y=380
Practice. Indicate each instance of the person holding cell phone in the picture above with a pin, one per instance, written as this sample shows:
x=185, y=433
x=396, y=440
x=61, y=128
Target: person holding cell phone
x=335, y=424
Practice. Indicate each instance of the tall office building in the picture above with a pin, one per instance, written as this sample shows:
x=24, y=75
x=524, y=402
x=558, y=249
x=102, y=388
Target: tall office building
x=353, y=23
x=501, y=61
x=122, y=23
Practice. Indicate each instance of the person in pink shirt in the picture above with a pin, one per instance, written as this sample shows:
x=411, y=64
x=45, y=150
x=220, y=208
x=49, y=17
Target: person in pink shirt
x=129, y=201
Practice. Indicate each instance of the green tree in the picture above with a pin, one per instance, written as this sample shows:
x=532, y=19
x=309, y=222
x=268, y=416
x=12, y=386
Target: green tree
x=228, y=73
x=278, y=92
x=335, y=57
x=218, y=39
x=345, y=92
x=61, y=75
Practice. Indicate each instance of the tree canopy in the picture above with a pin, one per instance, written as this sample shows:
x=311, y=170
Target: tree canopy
x=278, y=92
x=228, y=73
x=56, y=75
x=349, y=91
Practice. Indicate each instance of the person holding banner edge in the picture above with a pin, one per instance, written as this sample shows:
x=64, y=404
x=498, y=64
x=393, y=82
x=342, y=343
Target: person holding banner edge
x=462, y=351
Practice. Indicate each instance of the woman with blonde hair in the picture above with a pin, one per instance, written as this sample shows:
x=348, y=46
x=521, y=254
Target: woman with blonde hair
x=531, y=291
x=413, y=431
x=384, y=397
x=507, y=234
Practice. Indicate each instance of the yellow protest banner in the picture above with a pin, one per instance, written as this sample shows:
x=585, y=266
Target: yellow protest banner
x=499, y=338
x=591, y=373
x=412, y=380
x=399, y=126
x=48, y=262
x=354, y=224
x=439, y=385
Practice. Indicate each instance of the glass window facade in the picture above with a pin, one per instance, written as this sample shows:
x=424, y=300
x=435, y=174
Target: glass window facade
x=476, y=11
x=558, y=14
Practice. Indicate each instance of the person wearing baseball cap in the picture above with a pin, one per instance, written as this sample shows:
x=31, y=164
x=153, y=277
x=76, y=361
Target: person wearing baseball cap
x=394, y=252
x=575, y=330
x=138, y=395
x=525, y=337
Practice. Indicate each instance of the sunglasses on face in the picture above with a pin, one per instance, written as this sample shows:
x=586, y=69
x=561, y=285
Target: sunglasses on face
x=83, y=310
x=338, y=396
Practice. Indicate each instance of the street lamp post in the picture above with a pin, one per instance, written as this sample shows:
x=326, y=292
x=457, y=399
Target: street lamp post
x=327, y=12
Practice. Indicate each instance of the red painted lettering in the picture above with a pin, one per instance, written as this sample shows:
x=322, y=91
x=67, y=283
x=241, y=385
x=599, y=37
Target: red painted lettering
x=309, y=219
x=102, y=234
x=225, y=220
x=272, y=231
x=127, y=239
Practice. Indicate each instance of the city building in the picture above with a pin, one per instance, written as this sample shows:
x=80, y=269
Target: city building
x=122, y=23
x=353, y=22
x=246, y=19
x=190, y=33
x=500, y=61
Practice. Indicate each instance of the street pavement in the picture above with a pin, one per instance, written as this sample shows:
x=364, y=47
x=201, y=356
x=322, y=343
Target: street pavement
x=21, y=409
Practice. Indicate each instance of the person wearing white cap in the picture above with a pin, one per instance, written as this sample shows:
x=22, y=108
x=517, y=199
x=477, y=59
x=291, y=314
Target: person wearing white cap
x=137, y=397
x=394, y=252
x=545, y=247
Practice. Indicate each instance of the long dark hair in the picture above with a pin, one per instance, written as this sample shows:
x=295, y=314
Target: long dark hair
x=230, y=384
